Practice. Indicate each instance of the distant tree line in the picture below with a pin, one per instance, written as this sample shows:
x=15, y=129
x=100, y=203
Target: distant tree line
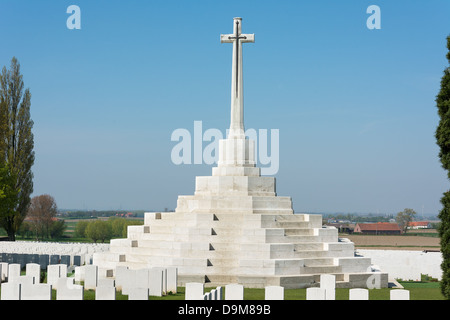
x=359, y=218
x=104, y=230
x=96, y=214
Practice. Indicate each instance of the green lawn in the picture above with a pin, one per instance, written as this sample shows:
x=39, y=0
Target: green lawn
x=418, y=291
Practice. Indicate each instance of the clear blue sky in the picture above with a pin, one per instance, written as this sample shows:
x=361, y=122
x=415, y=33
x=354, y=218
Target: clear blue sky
x=355, y=107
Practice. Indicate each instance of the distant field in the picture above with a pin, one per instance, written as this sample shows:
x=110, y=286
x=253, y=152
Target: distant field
x=400, y=242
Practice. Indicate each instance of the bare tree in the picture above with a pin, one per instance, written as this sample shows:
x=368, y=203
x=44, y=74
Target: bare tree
x=404, y=218
x=42, y=213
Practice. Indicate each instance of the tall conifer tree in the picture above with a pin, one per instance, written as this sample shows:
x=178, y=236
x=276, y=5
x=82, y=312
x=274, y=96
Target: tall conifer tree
x=443, y=140
x=16, y=148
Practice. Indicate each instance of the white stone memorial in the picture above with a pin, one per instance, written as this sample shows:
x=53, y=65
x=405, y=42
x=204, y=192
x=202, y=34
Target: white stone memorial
x=328, y=283
x=219, y=293
x=235, y=228
x=358, y=294
x=172, y=279
x=40, y=291
x=194, y=291
x=105, y=293
x=399, y=294
x=33, y=270
x=121, y=277
x=234, y=292
x=54, y=273
x=3, y=271
x=315, y=294
x=13, y=271
x=90, y=277
x=157, y=280
x=10, y=291
x=274, y=293
x=67, y=290
x=138, y=294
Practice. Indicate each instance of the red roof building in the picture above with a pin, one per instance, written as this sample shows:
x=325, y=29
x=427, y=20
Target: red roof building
x=419, y=225
x=377, y=228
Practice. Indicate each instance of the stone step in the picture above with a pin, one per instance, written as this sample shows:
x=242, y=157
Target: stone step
x=320, y=269
x=273, y=211
x=312, y=262
x=308, y=246
x=310, y=254
x=224, y=246
x=298, y=231
x=303, y=239
x=291, y=224
x=220, y=279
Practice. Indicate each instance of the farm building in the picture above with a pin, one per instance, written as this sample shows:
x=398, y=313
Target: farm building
x=342, y=227
x=419, y=225
x=377, y=228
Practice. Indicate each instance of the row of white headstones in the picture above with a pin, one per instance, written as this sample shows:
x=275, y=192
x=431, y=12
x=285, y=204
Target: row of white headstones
x=142, y=283
x=326, y=291
x=137, y=284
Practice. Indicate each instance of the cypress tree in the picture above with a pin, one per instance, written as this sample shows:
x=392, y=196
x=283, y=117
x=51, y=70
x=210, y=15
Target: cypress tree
x=443, y=140
x=16, y=147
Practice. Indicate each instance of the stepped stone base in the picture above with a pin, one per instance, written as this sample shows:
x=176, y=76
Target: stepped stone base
x=256, y=250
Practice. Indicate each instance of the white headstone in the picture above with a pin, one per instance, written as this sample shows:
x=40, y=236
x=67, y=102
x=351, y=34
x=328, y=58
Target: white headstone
x=194, y=291
x=219, y=293
x=3, y=271
x=62, y=270
x=74, y=293
x=399, y=294
x=105, y=293
x=53, y=274
x=131, y=280
x=156, y=275
x=328, y=282
x=172, y=279
x=105, y=282
x=13, y=271
x=138, y=294
x=208, y=296
x=10, y=291
x=121, y=275
x=90, y=277
x=41, y=291
x=358, y=294
x=34, y=270
x=64, y=283
x=234, y=292
x=274, y=293
x=79, y=274
x=28, y=280
x=156, y=281
x=315, y=294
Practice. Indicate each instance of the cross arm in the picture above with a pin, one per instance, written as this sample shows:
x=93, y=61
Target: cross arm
x=229, y=38
x=224, y=38
x=247, y=37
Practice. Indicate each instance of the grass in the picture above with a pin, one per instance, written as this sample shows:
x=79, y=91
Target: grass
x=418, y=291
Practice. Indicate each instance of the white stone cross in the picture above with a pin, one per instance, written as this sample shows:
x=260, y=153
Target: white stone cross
x=237, y=97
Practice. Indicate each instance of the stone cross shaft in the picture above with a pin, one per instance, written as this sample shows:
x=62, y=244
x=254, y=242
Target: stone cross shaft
x=237, y=91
